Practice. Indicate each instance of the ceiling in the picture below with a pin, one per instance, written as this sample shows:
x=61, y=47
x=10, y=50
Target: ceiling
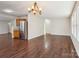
x=50, y=9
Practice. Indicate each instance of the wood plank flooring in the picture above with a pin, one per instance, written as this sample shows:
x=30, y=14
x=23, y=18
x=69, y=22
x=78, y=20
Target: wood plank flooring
x=49, y=46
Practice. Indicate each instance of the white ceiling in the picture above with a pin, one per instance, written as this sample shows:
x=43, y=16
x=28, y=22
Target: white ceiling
x=50, y=9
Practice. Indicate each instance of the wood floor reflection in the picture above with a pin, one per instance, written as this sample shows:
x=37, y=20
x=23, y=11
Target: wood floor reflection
x=49, y=46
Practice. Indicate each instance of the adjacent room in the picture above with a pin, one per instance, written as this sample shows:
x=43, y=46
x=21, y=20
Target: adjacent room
x=39, y=29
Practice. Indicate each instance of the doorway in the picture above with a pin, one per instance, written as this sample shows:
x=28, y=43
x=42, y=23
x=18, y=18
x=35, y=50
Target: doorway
x=19, y=28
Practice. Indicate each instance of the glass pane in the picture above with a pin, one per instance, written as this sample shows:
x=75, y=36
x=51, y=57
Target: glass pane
x=78, y=24
x=73, y=25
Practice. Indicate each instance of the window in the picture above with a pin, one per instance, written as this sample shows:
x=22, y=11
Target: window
x=75, y=24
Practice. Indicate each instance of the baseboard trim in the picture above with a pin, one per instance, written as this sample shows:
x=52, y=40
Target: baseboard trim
x=36, y=37
x=48, y=34
x=57, y=35
x=3, y=33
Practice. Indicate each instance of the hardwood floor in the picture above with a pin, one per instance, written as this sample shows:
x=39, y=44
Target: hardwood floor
x=49, y=46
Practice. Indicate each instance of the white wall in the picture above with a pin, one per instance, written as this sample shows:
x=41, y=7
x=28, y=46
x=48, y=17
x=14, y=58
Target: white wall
x=55, y=27
x=35, y=26
x=3, y=27
x=12, y=24
x=58, y=27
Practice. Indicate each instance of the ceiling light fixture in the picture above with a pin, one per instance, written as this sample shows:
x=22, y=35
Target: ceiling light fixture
x=47, y=21
x=8, y=10
x=35, y=9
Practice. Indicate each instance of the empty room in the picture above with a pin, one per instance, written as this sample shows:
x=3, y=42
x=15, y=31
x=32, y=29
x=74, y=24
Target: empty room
x=39, y=29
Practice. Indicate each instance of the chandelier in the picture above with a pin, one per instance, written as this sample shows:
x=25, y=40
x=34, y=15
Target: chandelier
x=35, y=9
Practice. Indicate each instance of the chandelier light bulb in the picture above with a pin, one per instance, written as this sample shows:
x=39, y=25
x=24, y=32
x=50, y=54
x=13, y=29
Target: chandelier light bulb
x=40, y=9
x=32, y=7
x=29, y=9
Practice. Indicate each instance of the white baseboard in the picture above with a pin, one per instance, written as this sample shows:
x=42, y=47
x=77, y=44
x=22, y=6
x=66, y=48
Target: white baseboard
x=60, y=34
x=29, y=38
